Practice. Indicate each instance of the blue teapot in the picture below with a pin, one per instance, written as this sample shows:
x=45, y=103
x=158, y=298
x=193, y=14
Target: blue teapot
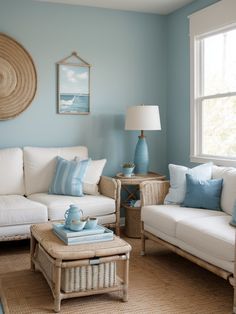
x=72, y=214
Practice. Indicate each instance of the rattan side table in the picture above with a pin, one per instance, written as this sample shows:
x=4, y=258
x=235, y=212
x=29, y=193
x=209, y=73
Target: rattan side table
x=131, y=187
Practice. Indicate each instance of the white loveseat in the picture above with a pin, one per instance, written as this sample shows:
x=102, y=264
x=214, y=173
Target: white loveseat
x=25, y=176
x=200, y=235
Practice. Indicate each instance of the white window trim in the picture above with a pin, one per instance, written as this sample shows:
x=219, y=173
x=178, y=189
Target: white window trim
x=203, y=23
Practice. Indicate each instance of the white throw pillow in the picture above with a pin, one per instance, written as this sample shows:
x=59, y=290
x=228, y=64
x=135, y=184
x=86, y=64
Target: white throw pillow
x=177, y=189
x=228, y=174
x=11, y=172
x=40, y=165
x=92, y=176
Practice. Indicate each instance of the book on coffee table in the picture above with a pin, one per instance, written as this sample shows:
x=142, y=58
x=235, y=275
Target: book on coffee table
x=98, y=234
x=60, y=228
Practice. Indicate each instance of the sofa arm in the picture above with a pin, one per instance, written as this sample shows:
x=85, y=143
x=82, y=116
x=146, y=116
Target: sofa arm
x=111, y=188
x=108, y=187
x=153, y=192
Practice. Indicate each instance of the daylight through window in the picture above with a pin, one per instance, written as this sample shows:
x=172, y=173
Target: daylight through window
x=217, y=94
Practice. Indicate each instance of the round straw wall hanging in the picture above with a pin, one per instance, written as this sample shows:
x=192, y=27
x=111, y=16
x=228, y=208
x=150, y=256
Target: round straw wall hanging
x=18, y=79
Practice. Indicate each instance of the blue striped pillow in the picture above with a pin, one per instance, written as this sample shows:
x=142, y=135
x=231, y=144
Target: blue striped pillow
x=68, y=177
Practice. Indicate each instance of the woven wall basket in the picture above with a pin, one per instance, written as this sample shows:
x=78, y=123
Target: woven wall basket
x=18, y=80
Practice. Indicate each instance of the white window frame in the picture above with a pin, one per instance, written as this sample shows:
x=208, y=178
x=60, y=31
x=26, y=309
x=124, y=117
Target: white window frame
x=214, y=19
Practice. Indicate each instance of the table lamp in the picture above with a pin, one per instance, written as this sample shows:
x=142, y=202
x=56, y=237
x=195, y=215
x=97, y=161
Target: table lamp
x=142, y=118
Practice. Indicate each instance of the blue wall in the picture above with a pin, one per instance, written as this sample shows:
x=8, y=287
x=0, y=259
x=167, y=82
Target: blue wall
x=128, y=56
x=136, y=58
x=178, y=83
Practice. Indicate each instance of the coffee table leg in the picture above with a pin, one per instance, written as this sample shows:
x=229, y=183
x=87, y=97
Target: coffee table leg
x=126, y=278
x=57, y=291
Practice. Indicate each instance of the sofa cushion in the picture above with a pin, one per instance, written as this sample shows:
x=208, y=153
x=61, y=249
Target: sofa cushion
x=68, y=177
x=40, y=162
x=165, y=217
x=18, y=210
x=202, y=193
x=91, y=205
x=11, y=171
x=229, y=187
x=212, y=235
x=178, y=180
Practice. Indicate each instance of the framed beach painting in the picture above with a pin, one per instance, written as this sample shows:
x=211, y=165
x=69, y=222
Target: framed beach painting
x=73, y=85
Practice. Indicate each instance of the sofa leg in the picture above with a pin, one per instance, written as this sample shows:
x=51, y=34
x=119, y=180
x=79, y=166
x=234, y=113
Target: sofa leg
x=234, y=308
x=142, y=253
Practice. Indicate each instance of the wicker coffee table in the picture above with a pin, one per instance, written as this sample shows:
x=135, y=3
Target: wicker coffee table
x=78, y=270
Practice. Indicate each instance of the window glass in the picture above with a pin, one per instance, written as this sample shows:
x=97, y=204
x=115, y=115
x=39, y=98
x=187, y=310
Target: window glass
x=219, y=126
x=219, y=63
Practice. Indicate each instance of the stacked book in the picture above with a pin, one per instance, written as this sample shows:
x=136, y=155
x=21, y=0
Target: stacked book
x=98, y=234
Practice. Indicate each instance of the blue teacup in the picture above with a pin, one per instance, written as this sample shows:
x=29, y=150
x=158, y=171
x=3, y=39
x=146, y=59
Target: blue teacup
x=91, y=223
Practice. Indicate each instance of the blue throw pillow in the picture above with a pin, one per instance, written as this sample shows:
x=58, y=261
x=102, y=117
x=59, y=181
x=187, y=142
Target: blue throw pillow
x=68, y=177
x=202, y=193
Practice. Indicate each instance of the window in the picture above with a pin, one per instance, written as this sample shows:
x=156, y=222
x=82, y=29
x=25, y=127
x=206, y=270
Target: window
x=213, y=94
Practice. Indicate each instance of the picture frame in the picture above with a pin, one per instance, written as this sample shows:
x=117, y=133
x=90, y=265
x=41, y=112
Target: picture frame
x=73, y=85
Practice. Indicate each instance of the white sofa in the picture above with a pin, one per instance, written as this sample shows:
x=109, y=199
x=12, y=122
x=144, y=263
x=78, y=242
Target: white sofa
x=25, y=176
x=200, y=235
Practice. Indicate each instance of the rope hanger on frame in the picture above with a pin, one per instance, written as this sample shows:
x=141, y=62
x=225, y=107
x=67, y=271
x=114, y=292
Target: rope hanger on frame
x=75, y=55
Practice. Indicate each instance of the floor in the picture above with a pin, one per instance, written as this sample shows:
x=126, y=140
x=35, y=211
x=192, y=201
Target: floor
x=160, y=283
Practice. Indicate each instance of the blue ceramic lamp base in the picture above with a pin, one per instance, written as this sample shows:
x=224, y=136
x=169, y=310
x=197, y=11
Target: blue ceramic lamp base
x=141, y=157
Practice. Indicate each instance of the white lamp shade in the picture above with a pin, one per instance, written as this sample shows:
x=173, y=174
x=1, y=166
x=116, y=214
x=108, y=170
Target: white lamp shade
x=143, y=118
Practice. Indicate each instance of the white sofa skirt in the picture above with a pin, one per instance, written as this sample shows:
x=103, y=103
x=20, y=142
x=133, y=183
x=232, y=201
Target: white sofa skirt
x=14, y=231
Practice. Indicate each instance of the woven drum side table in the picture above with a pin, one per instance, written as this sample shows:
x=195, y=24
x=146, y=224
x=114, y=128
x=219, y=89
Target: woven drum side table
x=81, y=269
x=132, y=214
